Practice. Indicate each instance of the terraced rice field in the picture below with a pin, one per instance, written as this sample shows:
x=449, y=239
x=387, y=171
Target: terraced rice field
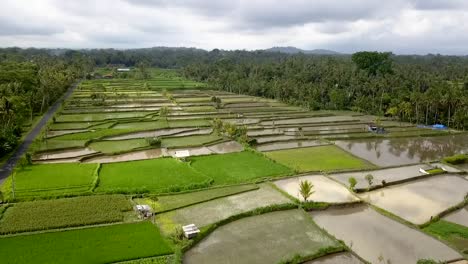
x=421, y=200
x=377, y=238
x=117, y=143
x=320, y=158
x=325, y=190
x=268, y=238
x=89, y=245
x=210, y=212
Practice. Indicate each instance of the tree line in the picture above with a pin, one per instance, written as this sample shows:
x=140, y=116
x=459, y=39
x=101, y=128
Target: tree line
x=420, y=89
x=29, y=84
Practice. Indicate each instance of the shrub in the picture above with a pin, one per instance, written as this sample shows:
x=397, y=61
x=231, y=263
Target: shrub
x=154, y=141
x=369, y=179
x=457, y=159
x=352, y=182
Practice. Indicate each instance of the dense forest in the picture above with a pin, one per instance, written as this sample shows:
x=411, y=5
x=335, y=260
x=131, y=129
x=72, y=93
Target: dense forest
x=421, y=89
x=29, y=84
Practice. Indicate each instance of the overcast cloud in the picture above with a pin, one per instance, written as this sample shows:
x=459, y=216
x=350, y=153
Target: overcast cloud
x=401, y=26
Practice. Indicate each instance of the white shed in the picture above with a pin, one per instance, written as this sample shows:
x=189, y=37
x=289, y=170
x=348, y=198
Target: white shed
x=190, y=231
x=182, y=153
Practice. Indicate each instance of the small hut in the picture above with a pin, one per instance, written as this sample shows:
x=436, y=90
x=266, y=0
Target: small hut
x=374, y=128
x=143, y=210
x=190, y=231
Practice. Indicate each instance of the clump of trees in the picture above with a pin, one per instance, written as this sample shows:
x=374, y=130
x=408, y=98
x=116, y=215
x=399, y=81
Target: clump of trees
x=154, y=141
x=217, y=102
x=231, y=130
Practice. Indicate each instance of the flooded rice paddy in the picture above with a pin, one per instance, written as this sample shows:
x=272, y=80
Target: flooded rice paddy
x=55, y=133
x=325, y=190
x=136, y=155
x=399, y=151
x=337, y=258
x=290, y=145
x=267, y=238
x=212, y=211
x=379, y=239
x=419, y=200
x=388, y=175
x=154, y=133
x=458, y=217
x=64, y=154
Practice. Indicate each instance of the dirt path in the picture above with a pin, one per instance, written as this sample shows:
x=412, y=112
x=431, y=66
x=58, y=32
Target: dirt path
x=6, y=169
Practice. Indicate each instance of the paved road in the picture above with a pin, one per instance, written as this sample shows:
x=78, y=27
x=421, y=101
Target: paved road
x=6, y=169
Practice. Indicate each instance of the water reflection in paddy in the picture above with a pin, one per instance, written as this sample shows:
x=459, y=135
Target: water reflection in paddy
x=420, y=200
x=399, y=151
x=374, y=236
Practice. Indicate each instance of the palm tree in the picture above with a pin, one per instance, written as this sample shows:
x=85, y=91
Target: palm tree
x=305, y=189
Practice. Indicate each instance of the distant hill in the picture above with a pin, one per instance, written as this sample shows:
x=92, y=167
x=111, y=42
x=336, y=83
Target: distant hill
x=294, y=50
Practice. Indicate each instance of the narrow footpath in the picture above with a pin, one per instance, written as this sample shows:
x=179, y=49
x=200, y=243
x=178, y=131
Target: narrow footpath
x=7, y=168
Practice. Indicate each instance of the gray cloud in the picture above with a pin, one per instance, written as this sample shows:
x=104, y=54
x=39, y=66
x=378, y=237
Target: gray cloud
x=439, y=4
x=401, y=26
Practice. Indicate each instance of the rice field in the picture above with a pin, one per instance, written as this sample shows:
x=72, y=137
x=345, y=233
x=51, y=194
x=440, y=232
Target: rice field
x=105, y=244
x=320, y=158
x=268, y=238
x=116, y=143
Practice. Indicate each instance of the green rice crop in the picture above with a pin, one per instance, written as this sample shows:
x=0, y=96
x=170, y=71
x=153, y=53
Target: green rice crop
x=105, y=244
x=67, y=212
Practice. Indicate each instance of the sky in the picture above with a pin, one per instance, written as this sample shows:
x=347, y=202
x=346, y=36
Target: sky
x=400, y=26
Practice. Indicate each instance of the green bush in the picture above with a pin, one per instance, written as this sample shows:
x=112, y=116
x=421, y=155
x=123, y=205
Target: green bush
x=456, y=159
x=154, y=141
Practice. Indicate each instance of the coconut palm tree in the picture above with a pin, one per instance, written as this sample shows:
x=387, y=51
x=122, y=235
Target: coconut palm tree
x=306, y=189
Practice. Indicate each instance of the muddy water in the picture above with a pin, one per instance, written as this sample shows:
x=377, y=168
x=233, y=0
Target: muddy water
x=67, y=160
x=142, y=105
x=262, y=132
x=463, y=166
x=64, y=154
x=245, y=121
x=374, y=236
x=194, y=132
x=459, y=217
x=220, y=148
x=241, y=105
x=226, y=147
x=335, y=127
x=399, y=151
x=418, y=200
x=309, y=120
x=290, y=145
x=388, y=175
x=54, y=133
x=196, y=151
x=338, y=258
x=155, y=133
x=137, y=155
x=325, y=190
x=212, y=211
x=275, y=138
